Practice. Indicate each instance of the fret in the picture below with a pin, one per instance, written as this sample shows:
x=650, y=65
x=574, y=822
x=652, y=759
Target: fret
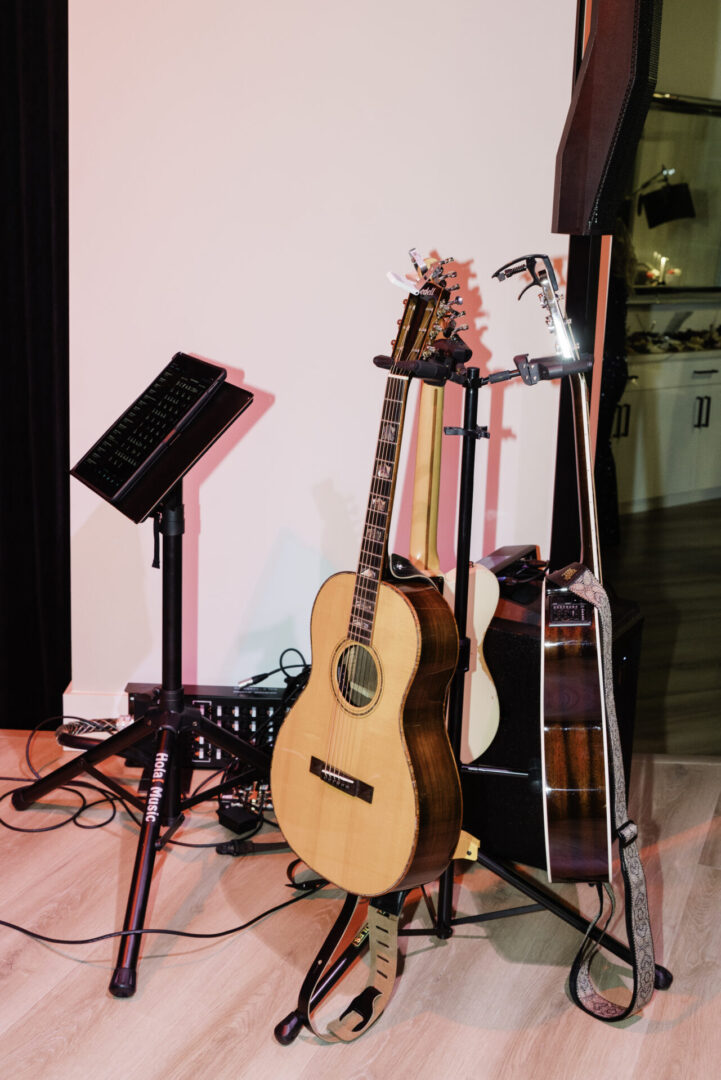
x=413, y=333
x=377, y=519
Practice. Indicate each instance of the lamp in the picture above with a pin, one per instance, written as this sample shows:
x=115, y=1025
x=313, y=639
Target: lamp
x=668, y=202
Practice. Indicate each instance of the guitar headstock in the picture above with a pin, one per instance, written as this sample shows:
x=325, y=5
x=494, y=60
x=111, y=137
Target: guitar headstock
x=544, y=278
x=431, y=308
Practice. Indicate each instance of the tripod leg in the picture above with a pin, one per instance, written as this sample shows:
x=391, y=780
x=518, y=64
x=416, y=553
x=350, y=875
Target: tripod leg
x=123, y=981
x=23, y=798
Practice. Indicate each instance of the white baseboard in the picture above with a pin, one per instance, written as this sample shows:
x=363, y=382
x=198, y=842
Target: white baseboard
x=95, y=704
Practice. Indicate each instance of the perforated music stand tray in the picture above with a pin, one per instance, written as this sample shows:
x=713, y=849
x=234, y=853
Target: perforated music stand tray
x=161, y=435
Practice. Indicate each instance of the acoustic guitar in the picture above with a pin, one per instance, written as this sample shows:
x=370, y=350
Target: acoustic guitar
x=364, y=783
x=574, y=734
x=481, y=710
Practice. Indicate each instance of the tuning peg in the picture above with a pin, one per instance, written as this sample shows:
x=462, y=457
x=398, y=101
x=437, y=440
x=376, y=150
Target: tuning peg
x=451, y=274
x=457, y=299
x=463, y=326
x=445, y=262
x=453, y=288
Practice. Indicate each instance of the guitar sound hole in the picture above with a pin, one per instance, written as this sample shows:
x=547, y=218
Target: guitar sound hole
x=357, y=676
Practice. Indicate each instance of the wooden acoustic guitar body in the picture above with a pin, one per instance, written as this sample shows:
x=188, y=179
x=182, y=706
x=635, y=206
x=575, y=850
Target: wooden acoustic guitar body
x=364, y=782
x=574, y=744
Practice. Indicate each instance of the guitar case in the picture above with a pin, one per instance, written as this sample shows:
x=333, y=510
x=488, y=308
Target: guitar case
x=502, y=801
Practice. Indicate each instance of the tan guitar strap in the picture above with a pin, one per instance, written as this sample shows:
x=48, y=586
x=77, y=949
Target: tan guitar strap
x=582, y=582
x=365, y=1008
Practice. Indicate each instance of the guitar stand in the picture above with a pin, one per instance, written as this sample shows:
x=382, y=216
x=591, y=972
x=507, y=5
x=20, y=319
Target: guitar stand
x=543, y=899
x=171, y=726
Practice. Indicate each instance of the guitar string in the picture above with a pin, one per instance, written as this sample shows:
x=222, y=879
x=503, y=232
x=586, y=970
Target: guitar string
x=359, y=662
x=346, y=665
x=383, y=485
x=363, y=663
x=356, y=667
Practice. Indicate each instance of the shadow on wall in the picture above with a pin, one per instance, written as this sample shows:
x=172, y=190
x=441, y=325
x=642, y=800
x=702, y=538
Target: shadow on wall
x=499, y=434
x=262, y=402
x=453, y=406
x=489, y=452
x=119, y=551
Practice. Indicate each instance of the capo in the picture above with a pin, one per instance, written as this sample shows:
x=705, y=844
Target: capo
x=527, y=263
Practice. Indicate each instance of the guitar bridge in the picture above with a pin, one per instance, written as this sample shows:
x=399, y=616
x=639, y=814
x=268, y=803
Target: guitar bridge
x=337, y=779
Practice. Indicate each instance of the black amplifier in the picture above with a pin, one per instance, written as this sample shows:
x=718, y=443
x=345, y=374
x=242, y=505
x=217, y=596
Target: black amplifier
x=253, y=713
x=502, y=798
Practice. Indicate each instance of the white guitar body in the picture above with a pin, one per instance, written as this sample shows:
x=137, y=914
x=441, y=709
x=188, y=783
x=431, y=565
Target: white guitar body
x=481, y=711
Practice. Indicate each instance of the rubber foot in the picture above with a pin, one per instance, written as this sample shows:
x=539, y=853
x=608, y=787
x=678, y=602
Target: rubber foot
x=122, y=984
x=19, y=800
x=288, y=1030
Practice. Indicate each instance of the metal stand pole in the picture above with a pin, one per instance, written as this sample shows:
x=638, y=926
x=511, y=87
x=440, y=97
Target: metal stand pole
x=163, y=800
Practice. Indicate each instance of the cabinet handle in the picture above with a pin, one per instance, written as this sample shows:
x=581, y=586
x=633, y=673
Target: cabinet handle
x=698, y=413
x=620, y=422
x=709, y=371
x=707, y=414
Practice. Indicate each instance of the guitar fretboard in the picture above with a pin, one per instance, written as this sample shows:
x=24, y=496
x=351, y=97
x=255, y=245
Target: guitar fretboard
x=378, y=511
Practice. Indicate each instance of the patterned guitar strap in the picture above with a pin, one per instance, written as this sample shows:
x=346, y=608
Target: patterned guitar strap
x=581, y=581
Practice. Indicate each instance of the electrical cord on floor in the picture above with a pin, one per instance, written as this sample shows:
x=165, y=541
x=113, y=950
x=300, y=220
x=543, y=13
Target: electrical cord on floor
x=308, y=890
x=81, y=728
x=294, y=684
x=75, y=787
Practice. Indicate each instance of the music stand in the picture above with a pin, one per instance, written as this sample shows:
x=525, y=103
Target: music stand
x=138, y=466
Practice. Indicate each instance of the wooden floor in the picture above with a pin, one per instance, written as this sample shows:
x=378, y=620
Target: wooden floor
x=669, y=562
x=489, y=1003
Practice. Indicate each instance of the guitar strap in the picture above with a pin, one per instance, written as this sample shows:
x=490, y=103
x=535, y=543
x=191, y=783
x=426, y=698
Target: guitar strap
x=368, y=1005
x=581, y=581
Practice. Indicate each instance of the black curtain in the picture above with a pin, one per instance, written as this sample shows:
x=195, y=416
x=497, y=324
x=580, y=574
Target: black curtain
x=34, y=528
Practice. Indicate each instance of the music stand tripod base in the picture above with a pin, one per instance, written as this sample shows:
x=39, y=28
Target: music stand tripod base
x=138, y=466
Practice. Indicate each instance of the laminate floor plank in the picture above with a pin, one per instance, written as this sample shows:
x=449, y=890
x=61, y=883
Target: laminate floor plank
x=488, y=1004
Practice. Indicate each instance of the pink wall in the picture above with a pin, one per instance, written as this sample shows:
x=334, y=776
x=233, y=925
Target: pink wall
x=242, y=176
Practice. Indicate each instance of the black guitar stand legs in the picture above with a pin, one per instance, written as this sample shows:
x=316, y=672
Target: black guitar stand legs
x=542, y=898
x=171, y=726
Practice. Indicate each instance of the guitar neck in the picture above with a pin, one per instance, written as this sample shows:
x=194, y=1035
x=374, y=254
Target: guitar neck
x=374, y=545
x=426, y=482
x=590, y=548
x=590, y=554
